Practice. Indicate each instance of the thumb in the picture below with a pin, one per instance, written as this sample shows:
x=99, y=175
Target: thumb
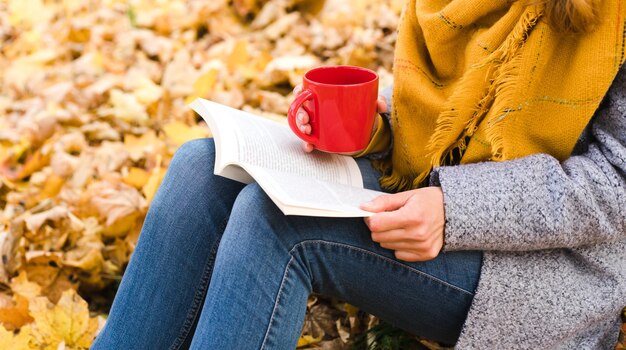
x=386, y=202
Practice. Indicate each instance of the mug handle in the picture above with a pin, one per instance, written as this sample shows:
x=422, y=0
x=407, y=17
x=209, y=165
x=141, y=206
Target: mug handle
x=304, y=96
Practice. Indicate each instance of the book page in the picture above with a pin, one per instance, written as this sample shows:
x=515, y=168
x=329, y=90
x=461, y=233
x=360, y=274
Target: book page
x=246, y=139
x=308, y=196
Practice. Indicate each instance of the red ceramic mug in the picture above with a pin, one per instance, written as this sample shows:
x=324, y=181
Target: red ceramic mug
x=341, y=103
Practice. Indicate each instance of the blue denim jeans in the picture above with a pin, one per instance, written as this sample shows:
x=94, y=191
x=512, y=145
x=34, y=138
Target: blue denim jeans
x=218, y=266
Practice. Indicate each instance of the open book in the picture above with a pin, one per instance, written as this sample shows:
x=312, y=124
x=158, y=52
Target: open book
x=251, y=148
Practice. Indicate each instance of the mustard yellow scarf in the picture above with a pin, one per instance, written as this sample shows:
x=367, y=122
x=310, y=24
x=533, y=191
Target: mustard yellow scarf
x=479, y=80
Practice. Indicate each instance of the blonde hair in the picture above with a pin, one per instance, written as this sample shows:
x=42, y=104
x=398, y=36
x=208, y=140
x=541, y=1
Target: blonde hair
x=572, y=16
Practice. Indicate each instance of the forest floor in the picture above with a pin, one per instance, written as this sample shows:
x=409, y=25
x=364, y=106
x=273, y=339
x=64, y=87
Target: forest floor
x=93, y=105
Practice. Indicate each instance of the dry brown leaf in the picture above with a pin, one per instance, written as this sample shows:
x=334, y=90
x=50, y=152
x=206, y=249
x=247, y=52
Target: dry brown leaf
x=35, y=221
x=93, y=105
x=179, y=75
x=248, y=8
x=116, y=203
x=33, y=163
x=320, y=321
x=15, y=316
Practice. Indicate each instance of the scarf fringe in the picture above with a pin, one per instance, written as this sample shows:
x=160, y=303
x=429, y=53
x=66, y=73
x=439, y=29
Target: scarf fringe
x=501, y=70
x=392, y=181
x=449, y=132
x=503, y=86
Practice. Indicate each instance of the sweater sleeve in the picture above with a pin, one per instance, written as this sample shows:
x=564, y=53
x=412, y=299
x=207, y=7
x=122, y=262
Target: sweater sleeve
x=536, y=202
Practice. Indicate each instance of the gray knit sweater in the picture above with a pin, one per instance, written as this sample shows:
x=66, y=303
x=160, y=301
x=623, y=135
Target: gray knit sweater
x=554, y=236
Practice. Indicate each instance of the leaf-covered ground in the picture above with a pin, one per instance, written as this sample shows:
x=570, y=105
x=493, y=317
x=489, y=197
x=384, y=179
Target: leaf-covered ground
x=93, y=101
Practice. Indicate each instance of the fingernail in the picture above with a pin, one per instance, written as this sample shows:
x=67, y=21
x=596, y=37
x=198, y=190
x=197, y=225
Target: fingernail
x=300, y=116
x=302, y=128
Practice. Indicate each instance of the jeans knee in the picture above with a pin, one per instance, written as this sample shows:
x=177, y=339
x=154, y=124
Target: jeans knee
x=194, y=161
x=254, y=216
x=258, y=228
x=195, y=154
x=189, y=172
x=253, y=204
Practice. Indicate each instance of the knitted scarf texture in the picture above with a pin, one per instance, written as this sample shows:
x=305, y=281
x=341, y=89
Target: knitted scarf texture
x=490, y=80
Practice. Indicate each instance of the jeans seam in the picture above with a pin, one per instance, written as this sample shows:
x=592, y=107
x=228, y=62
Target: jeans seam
x=278, y=295
x=198, y=297
x=444, y=283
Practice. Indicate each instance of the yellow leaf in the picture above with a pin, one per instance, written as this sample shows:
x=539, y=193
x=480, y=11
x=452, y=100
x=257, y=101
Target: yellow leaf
x=52, y=187
x=125, y=107
x=138, y=147
x=350, y=309
x=6, y=338
x=4, y=149
x=20, y=341
x=179, y=132
x=79, y=34
x=156, y=177
x=144, y=89
x=239, y=56
x=136, y=177
x=306, y=340
x=46, y=269
x=120, y=226
x=22, y=286
x=67, y=322
x=203, y=85
x=21, y=12
x=89, y=260
x=262, y=61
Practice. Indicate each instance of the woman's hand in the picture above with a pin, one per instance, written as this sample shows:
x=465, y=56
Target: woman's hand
x=411, y=223
x=302, y=117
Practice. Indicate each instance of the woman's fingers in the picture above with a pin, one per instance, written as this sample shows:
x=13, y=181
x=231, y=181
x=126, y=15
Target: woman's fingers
x=387, y=202
x=401, y=245
x=410, y=244
x=381, y=104
x=390, y=220
x=391, y=236
x=409, y=256
x=302, y=121
x=297, y=89
x=422, y=254
x=302, y=116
